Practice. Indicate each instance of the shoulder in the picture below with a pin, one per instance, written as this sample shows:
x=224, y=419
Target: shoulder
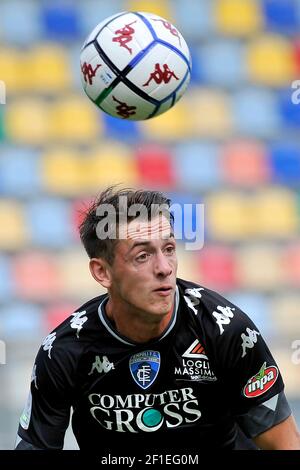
x=218, y=315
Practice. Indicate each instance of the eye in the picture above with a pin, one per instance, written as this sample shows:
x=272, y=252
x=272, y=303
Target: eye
x=170, y=249
x=142, y=257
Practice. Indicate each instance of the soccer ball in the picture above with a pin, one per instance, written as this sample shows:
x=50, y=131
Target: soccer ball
x=135, y=65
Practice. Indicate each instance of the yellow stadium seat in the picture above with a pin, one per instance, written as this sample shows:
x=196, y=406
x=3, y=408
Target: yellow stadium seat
x=11, y=67
x=238, y=17
x=49, y=68
x=76, y=120
x=211, y=113
x=109, y=164
x=270, y=60
x=285, y=313
x=275, y=213
x=78, y=287
x=227, y=216
x=13, y=232
x=259, y=268
x=63, y=172
x=27, y=121
x=174, y=124
x=158, y=7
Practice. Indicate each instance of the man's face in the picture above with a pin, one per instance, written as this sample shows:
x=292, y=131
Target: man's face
x=144, y=269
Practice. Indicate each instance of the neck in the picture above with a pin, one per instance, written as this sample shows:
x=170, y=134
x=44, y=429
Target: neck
x=137, y=326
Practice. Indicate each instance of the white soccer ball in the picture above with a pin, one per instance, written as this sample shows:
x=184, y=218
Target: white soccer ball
x=135, y=65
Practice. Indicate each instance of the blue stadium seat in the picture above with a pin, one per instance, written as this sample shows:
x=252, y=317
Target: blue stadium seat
x=195, y=19
x=121, y=130
x=257, y=308
x=289, y=111
x=223, y=62
x=19, y=172
x=21, y=321
x=197, y=65
x=60, y=20
x=280, y=15
x=285, y=163
x=19, y=21
x=91, y=12
x=197, y=166
x=49, y=222
x=256, y=113
x=6, y=284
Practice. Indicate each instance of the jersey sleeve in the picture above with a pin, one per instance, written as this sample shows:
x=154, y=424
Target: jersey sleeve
x=245, y=366
x=47, y=412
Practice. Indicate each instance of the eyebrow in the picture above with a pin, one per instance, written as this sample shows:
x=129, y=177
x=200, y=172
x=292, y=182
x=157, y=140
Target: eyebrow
x=147, y=242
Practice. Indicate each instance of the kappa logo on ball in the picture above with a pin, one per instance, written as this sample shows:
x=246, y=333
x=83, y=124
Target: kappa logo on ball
x=144, y=367
x=261, y=382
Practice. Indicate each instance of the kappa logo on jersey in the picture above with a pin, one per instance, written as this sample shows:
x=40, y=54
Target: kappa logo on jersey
x=144, y=367
x=249, y=341
x=261, y=382
x=48, y=343
x=223, y=316
x=77, y=321
x=101, y=365
x=196, y=350
x=192, y=297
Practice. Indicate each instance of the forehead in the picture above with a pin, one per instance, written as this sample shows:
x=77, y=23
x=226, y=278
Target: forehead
x=153, y=229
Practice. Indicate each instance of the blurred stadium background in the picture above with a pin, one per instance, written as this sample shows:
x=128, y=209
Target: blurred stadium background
x=232, y=143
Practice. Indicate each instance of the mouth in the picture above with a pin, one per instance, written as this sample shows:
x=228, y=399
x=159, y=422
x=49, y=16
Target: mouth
x=164, y=290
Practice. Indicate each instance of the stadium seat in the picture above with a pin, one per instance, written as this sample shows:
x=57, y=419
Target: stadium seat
x=197, y=166
x=257, y=307
x=20, y=22
x=244, y=163
x=238, y=18
x=63, y=172
x=223, y=63
x=120, y=129
x=270, y=61
x=2, y=125
x=28, y=121
x=60, y=21
x=194, y=19
x=275, y=213
x=78, y=209
x=49, y=222
x=255, y=113
x=19, y=172
x=296, y=46
x=175, y=122
x=162, y=8
x=112, y=163
x=251, y=277
x=13, y=233
x=75, y=120
x=90, y=14
x=155, y=167
x=290, y=113
x=217, y=267
x=291, y=265
x=11, y=65
x=285, y=163
x=6, y=284
x=187, y=268
x=280, y=15
x=211, y=113
x=48, y=68
x=56, y=313
x=36, y=276
x=290, y=369
x=79, y=288
x=21, y=321
x=227, y=216
x=285, y=308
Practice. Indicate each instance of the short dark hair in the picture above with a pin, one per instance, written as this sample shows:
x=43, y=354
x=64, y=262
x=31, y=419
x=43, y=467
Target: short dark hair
x=155, y=202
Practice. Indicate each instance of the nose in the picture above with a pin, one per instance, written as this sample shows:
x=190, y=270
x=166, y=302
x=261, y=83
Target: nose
x=162, y=266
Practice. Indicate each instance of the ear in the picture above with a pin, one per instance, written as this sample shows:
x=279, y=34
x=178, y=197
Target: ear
x=100, y=271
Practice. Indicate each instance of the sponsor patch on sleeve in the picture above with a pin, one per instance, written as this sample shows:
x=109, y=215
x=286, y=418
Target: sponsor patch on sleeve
x=261, y=382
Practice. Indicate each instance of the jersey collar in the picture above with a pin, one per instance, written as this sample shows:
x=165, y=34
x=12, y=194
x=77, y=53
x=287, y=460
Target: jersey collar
x=109, y=327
